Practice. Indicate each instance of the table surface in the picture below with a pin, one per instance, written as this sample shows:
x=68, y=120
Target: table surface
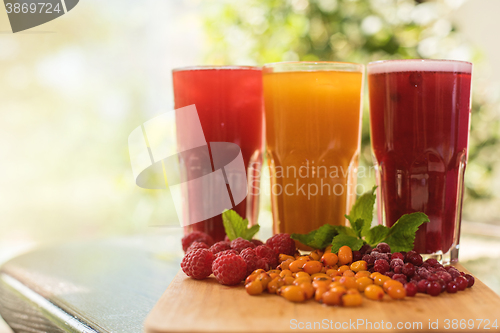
x=99, y=286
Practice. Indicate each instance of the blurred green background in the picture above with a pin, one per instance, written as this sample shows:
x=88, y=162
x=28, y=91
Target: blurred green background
x=72, y=90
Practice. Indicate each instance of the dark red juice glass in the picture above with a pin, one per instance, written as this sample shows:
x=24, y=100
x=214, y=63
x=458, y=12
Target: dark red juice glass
x=419, y=114
x=230, y=107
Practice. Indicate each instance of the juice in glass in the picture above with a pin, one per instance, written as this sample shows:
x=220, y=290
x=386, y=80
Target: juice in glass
x=313, y=122
x=419, y=113
x=229, y=104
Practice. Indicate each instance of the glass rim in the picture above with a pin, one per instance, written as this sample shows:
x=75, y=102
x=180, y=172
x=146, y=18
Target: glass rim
x=410, y=65
x=215, y=67
x=312, y=66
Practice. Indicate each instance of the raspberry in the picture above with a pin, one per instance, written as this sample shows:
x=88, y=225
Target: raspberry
x=198, y=263
x=282, y=244
x=239, y=244
x=268, y=254
x=220, y=246
x=229, y=269
x=257, y=242
x=197, y=236
x=381, y=266
x=196, y=245
x=253, y=261
x=222, y=253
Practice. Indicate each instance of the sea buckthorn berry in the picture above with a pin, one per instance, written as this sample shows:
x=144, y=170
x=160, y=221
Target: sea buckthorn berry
x=301, y=280
x=316, y=255
x=380, y=279
x=345, y=255
x=396, y=292
x=273, y=275
x=348, y=273
x=349, y=282
x=321, y=283
x=359, y=265
x=389, y=283
x=328, y=249
x=274, y=285
x=296, y=266
x=364, y=282
x=286, y=272
x=329, y=259
x=335, y=284
x=361, y=274
x=374, y=292
x=374, y=274
x=283, y=257
x=264, y=278
x=320, y=276
x=308, y=290
x=323, y=269
x=302, y=275
x=332, y=272
x=273, y=271
x=352, y=300
x=288, y=280
x=332, y=297
x=318, y=293
x=285, y=264
x=258, y=271
x=336, y=278
x=251, y=278
x=292, y=293
x=254, y=288
x=343, y=268
x=312, y=267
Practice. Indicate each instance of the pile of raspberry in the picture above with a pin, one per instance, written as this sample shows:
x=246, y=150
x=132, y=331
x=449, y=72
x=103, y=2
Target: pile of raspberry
x=413, y=272
x=231, y=261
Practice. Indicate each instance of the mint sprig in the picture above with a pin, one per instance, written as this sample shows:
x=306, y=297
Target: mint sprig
x=235, y=226
x=400, y=237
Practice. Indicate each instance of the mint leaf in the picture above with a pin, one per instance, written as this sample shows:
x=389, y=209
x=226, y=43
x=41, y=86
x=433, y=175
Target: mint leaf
x=235, y=226
x=363, y=209
x=357, y=226
x=342, y=230
x=376, y=235
x=251, y=232
x=402, y=234
x=319, y=238
x=352, y=241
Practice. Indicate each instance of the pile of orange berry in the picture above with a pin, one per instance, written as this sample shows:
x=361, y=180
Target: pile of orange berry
x=329, y=278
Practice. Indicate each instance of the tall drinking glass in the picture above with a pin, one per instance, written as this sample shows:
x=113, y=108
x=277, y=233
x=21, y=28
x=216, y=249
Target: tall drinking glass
x=229, y=104
x=420, y=112
x=313, y=122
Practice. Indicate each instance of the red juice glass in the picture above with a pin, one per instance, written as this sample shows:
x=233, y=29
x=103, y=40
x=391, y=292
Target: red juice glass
x=420, y=120
x=229, y=103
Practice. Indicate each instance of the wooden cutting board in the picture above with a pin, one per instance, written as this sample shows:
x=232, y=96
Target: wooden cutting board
x=205, y=306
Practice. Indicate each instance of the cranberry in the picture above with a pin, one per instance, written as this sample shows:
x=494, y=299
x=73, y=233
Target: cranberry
x=398, y=269
x=454, y=273
x=397, y=255
x=416, y=278
x=397, y=262
x=445, y=276
x=356, y=255
x=433, y=277
x=409, y=269
x=416, y=259
x=443, y=285
x=411, y=289
x=384, y=248
x=422, y=286
x=434, y=288
x=400, y=278
x=470, y=279
x=403, y=253
x=432, y=261
x=462, y=282
x=452, y=287
x=365, y=248
x=409, y=254
x=389, y=274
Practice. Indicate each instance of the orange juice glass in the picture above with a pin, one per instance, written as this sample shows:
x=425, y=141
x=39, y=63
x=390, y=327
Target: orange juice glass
x=313, y=123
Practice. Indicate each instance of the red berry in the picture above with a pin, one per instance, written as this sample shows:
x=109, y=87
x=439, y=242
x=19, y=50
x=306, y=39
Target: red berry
x=381, y=266
x=282, y=244
x=229, y=269
x=452, y=287
x=268, y=254
x=422, y=286
x=221, y=253
x=197, y=236
x=411, y=289
x=409, y=269
x=257, y=242
x=196, y=245
x=198, y=263
x=356, y=255
x=434, y=288
x=462, y=282
x=383, y=248
x=433, y=262
x=253, y=261
x=397, y=255
x=239, y=244
x=220, y=246
x=470, y=279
